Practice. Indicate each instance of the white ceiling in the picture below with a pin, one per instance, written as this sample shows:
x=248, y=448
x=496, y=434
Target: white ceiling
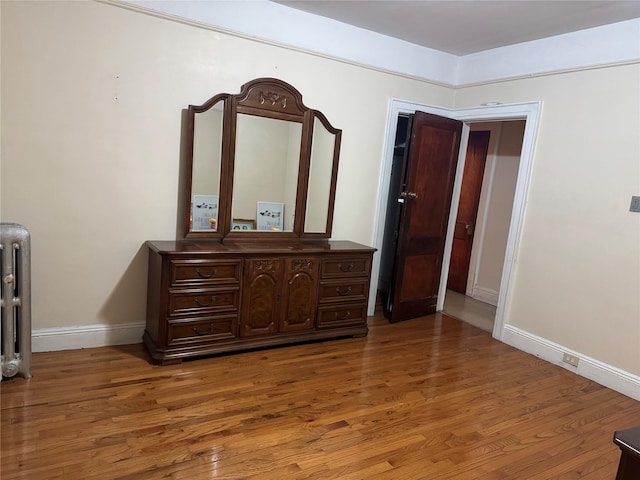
x=461, y=27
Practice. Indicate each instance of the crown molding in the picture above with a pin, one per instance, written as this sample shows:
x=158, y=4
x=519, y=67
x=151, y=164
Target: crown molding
x=261, y=21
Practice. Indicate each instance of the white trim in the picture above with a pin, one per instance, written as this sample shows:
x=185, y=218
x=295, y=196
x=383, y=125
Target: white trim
x=85, y=336
x=614, y=44
x=260, y=20
x=602, y=373
x=549, y=73
x=530, y=112
x=486, y=295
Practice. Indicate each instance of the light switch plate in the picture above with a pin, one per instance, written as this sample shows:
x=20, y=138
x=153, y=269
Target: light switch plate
x=635, y=204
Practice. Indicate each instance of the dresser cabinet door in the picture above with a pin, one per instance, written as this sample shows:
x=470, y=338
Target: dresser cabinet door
x=300, y=294
x=261, y=296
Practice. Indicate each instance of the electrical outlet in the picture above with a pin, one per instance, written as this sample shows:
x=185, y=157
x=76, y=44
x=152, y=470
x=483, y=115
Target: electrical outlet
x=570, y=359
x=635, y=204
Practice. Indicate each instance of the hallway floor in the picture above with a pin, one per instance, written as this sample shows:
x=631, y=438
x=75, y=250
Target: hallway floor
x=469, y=310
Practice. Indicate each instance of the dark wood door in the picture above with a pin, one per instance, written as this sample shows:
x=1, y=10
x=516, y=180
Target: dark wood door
x=261, y=298
x=474, y=164
x=300, y=294
x=430, y=168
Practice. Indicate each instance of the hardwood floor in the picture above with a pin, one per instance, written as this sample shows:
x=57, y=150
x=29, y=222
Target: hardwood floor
x=430, y=398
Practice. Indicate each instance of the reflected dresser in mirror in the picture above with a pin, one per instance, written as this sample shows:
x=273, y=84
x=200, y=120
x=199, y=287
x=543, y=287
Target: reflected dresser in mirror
x=255, y=266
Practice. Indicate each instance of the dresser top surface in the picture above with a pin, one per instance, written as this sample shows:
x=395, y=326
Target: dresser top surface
x=306, y=246
x=628, y=440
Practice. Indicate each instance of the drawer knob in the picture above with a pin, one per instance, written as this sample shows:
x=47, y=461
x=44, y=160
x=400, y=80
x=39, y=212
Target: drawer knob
x=200, y=304
x=344, y=316
x=345, y=268
x=343, y=292
x=204, y=275
x=208, y=331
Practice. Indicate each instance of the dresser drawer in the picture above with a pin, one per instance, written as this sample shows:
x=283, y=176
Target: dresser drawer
x=346, y=267
x=205, y=272
x=344, y=291
x=332, y=316
x=210, y=329
x=201, y=302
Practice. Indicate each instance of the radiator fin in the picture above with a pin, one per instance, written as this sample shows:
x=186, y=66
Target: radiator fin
x=15, y=300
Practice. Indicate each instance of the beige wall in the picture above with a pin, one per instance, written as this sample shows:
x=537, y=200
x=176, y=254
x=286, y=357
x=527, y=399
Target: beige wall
x=92, y=99
x=577, y=273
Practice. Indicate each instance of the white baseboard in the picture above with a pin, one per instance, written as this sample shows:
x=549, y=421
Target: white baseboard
x=485, y=295
x=611, y=377
x=71, y=338
x=88, y=336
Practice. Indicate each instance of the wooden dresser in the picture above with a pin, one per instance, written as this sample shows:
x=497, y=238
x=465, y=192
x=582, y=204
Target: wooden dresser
x=629, y=442
x=207, y=297
x=253, y=265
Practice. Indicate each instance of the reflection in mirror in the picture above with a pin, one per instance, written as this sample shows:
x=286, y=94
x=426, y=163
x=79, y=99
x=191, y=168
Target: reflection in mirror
x=205, y=174
x=320, y=174
x=265, y=176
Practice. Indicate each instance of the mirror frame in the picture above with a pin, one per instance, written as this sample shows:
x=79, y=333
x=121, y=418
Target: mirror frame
x=334, y=176
x=269, y=98
x=188, y=173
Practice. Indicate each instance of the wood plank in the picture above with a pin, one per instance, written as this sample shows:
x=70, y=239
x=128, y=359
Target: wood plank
x=429, y=398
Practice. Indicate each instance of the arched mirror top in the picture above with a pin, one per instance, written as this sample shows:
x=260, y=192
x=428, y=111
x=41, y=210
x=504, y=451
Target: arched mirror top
x=270, y=97
x=260, y=166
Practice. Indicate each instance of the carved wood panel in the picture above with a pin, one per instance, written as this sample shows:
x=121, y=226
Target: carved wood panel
x=272, y=95
x=300, y=293
x=262, y=295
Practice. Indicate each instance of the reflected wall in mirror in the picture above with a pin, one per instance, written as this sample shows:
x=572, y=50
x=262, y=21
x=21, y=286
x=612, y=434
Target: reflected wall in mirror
x=267, y=157
x=321, y=171
x=205, y=169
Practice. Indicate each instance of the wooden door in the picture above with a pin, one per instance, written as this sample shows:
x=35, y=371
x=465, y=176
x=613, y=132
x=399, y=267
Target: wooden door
x=468, y=210
x=300, y=294
x=428, y=186
x=261, y=296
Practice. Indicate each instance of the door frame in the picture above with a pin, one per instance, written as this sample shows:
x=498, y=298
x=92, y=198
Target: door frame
x=530, y=112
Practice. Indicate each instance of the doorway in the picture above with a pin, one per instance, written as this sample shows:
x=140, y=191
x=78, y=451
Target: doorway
x=476, y=301
x=528, y=113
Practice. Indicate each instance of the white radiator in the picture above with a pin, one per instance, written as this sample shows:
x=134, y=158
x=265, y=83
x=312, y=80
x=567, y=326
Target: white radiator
x=15, y=300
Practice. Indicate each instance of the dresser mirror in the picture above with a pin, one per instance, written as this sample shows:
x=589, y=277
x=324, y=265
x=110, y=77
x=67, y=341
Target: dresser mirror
x=265, y=174
x=260, y=166
x=323, y=171
x=205, y=174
